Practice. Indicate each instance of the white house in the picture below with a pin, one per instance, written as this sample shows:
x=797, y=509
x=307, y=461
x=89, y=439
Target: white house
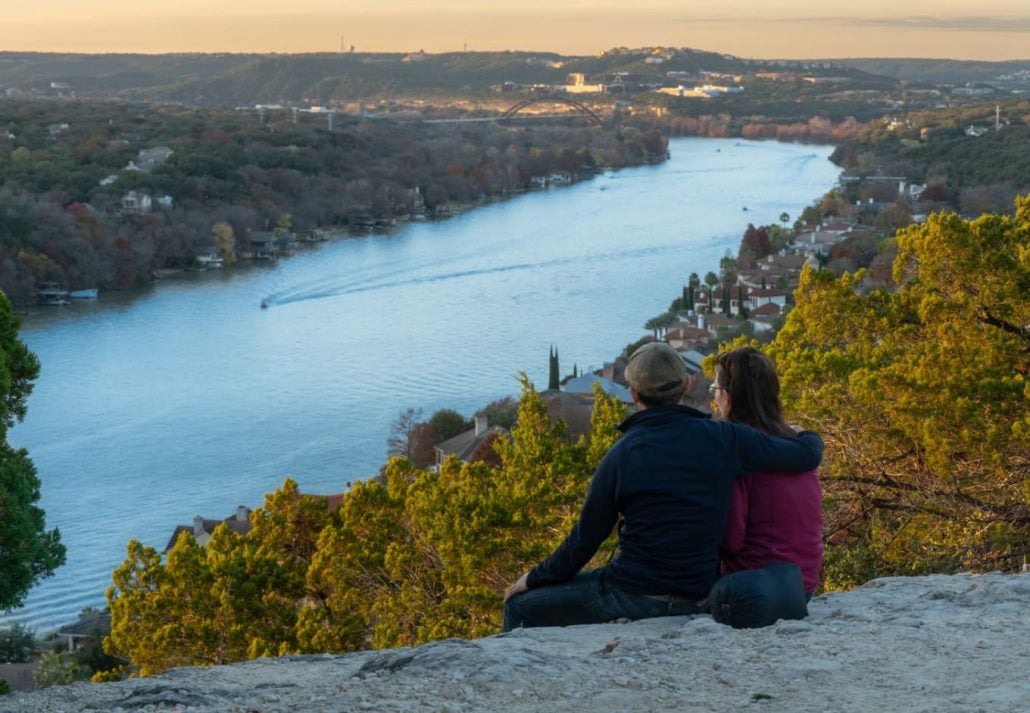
x=136, y=203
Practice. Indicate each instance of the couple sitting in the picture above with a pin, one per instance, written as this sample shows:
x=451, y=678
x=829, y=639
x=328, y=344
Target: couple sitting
x=694, y=498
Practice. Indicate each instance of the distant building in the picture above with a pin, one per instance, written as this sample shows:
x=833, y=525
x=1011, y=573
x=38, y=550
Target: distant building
x=263, y=245
x=136, y=203
x=474, y=445
x=202, y=528
x=149, y=159
x=89, y=627
x=686, y=336
x=583, y=385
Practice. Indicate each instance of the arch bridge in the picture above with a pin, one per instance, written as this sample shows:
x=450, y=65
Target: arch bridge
x=581, y=109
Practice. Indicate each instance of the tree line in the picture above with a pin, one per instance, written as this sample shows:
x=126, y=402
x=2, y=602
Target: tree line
x=63, y=174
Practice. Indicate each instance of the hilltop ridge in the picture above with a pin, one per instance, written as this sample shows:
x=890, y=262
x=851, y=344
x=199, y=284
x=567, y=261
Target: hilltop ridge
x=933, y=643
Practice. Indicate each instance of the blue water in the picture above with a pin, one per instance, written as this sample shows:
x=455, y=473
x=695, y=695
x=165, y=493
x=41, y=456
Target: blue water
x=189, y=399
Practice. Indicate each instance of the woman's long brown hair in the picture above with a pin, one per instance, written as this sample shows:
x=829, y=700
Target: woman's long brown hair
x=750, y=379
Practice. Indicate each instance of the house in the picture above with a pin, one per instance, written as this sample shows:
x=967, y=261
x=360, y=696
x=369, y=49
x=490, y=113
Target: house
x=583, y=385
x=769, y=310
x=759, y=298
x=692, y=360
x=263, y=245
x=819, y=241
x=472, y=446
x=714, y=322
x=149, y=159
x=136, y=203
x=686, y=336
x=782, y=262
x=615, y=370
x=91, y=626
x=202, y=528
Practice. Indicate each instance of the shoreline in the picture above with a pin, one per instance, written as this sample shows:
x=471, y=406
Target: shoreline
x=334, y=233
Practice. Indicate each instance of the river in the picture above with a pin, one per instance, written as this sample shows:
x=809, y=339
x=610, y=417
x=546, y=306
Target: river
x=188, y=399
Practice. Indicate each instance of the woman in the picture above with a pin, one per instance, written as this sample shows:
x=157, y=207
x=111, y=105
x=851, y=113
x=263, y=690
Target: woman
x=774, y=517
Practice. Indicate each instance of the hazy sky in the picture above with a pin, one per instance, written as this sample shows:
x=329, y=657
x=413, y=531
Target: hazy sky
x=985, y=29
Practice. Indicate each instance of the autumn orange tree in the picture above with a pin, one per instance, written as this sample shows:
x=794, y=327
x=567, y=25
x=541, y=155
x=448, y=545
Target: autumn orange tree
x=921, y=393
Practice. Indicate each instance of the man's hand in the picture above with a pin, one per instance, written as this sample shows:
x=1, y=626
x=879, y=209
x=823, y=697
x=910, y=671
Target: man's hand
x=518, y=588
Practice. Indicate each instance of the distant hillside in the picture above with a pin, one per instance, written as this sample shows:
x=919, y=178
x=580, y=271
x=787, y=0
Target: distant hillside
x=941, y=71
x=234, y=80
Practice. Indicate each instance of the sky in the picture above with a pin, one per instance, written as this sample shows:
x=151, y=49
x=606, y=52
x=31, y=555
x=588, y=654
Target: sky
x=786, y=29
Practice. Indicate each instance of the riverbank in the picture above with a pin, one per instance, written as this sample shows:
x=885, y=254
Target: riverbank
x=935, y=643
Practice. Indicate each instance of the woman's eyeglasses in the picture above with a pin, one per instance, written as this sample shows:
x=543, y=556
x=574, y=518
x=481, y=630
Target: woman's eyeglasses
x=713, y=387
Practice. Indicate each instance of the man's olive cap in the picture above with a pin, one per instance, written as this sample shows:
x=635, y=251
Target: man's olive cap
x=656, y=371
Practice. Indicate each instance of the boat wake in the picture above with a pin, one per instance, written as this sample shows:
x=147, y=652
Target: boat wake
x=336, y=287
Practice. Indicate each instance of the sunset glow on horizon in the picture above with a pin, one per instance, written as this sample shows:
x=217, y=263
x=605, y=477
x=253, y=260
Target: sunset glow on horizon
x=793, y=29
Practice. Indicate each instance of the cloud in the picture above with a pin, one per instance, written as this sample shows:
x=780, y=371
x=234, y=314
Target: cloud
x=961, y=24
x=957, y=24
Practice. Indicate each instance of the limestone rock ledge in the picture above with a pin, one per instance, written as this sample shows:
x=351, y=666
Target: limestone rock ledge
x=936, y=643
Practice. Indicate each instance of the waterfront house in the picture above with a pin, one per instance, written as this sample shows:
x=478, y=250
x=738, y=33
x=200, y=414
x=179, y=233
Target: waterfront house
x=474, y=445
x=202, y=528
x=263, y=245
x=583, y=385
x=91, y=626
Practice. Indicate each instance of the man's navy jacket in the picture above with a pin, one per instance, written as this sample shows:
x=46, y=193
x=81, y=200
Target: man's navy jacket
x=670, y=477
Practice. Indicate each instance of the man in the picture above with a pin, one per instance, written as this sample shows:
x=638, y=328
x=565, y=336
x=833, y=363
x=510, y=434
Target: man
x=669, y=478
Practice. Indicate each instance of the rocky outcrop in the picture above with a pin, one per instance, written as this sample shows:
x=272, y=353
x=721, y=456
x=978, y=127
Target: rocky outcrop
x=937, y=643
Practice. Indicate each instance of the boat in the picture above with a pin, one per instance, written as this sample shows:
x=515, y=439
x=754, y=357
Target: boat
x=208, y=262
x=52, y=296
x=83, y=294
x=316, y=235
x=264, y=304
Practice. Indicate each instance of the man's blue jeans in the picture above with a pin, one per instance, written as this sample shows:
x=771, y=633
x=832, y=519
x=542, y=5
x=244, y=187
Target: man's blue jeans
x=587, y=598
